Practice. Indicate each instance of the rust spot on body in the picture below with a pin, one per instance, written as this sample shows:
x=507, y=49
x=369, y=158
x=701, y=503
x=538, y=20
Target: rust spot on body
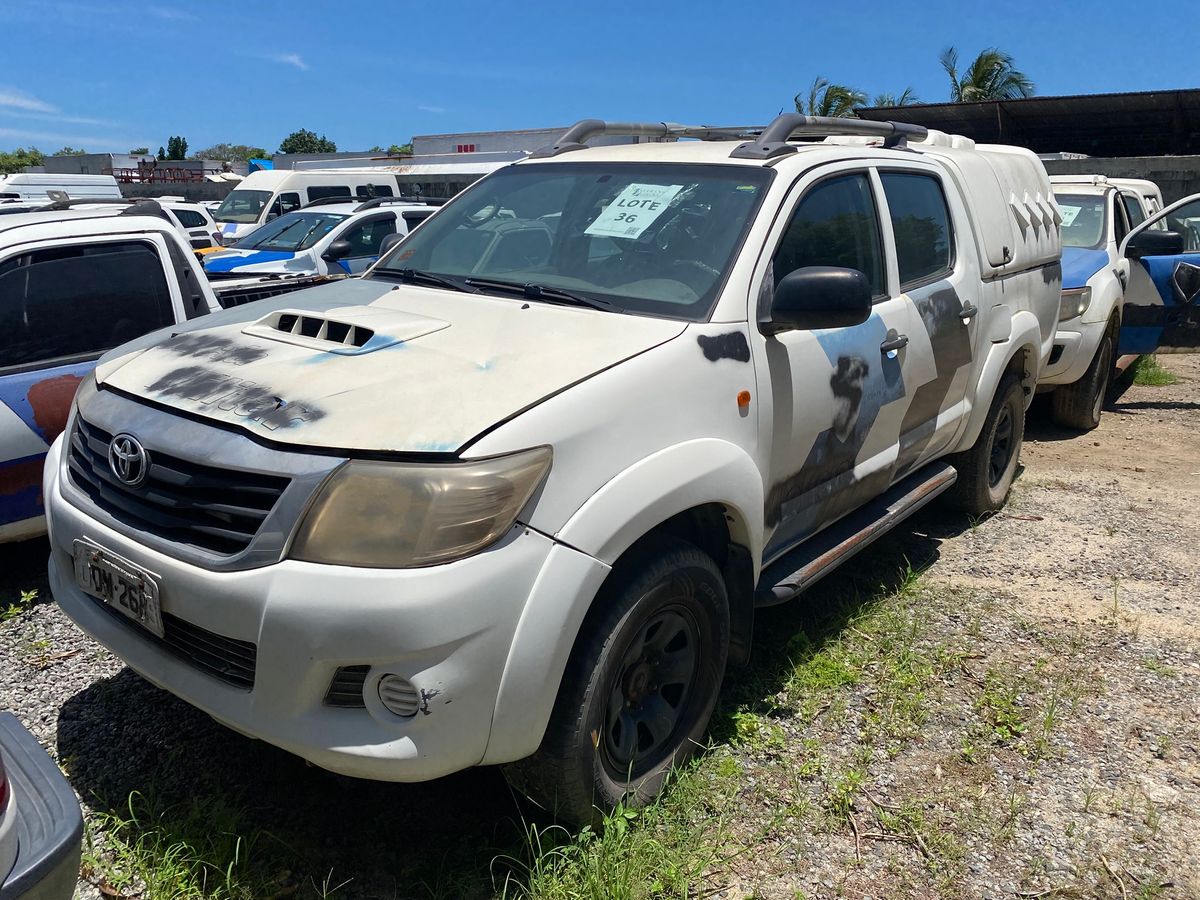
x=51, y=403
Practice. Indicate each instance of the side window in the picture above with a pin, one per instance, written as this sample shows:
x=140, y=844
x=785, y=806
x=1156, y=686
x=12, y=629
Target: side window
x=835, y=224
x=366, y=238
x=367, y=191
x=1186, y=221
x=321, y=191
x=79, y=300
x=189, y=218
x=1133, y=209
x=921, y=224
x=414, y=218
x=1120, y=221
x=289, y=202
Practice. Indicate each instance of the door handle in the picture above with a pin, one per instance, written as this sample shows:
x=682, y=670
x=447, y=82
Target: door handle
x=891, y=345
x=968, y=312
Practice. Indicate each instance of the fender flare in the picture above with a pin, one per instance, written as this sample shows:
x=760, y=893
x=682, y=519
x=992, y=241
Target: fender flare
x=677, y=478
x=1025, y=335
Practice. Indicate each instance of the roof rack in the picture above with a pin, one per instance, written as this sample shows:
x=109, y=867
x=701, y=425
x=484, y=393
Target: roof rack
x=328, y=201
x=134, y=206
x=573, y=138
x=403, y=198
x=773, y=141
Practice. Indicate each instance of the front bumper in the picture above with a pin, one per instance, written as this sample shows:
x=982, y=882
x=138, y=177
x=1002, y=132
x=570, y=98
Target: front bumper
x=1078, y=342
x=447, y=629
x=45, y=817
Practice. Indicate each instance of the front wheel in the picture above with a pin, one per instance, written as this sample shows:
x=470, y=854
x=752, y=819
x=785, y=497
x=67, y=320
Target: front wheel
x=986, y=471
x=1079, y=405
x=640, y=686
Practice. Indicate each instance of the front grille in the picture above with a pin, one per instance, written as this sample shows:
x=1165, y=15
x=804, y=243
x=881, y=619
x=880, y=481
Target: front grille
x=346, y=688
x=216, y=509
x=226, y=658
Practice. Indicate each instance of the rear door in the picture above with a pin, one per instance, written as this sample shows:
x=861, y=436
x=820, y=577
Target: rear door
x=1162, y=299
x=364, y=236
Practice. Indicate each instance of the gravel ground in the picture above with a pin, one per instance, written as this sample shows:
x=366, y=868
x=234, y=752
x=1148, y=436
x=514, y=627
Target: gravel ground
x=1071, y=616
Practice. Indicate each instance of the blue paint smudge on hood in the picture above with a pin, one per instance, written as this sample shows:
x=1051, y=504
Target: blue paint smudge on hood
x=230, y=260
x=1079, y=264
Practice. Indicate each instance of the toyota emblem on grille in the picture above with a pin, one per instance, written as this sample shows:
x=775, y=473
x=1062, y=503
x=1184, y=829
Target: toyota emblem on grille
x=128, y=459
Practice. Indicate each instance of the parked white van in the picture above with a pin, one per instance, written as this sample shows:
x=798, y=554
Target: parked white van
x=38, y=185
x=263, y=196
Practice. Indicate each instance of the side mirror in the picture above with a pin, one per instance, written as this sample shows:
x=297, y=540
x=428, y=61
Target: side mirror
x=271, y=216
x=339, y=249
x=818, y=297
x=1154, y=243
x=389, y=242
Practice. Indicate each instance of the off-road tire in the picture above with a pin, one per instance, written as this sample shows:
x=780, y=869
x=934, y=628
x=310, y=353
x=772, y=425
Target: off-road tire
x=572, y=773
x=980, y=488
x=1079, y=405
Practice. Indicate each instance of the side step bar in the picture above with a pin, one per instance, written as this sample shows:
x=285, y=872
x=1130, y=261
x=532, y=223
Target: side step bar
x=801, y=568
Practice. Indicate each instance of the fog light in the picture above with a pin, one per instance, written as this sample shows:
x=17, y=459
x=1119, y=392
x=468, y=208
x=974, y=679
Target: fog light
x=399, y=695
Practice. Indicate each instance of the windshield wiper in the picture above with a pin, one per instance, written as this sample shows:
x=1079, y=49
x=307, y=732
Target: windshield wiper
x=533, y=291
x=417, y=276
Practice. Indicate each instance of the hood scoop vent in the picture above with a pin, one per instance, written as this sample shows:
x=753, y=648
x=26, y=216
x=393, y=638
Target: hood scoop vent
x=348, y=331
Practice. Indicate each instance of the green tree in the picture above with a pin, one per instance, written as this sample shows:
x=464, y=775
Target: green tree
x=139, y=151
x=828, y=99
x=394, y=149
x=907, y=97
x=231, y=153
x=304, y=141
x=176, y=148
x=70, y=151
x=20, y=158
x=991, y=76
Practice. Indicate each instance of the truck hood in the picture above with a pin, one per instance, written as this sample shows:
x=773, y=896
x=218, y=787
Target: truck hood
x=366, y=365
x=260, y=260
x=1079, y=264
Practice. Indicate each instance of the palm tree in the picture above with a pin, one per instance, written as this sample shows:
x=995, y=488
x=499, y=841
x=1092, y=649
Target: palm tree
x=992, y=76
x=828, y=99
x=906, y=98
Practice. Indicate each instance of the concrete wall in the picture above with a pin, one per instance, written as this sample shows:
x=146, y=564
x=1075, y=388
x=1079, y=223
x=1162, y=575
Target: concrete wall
x=1176, y=176
x=191, y=191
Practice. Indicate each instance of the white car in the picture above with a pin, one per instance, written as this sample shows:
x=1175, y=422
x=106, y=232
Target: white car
x=326, y=237
x=195, y=220
x=514, y=495
x=1097, y=215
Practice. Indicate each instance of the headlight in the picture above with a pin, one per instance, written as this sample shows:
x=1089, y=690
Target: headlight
x=391, y=515
x=1074, y=303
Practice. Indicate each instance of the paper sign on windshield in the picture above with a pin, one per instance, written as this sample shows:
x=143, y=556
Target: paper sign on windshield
x=1068, y=213
x=634, y=210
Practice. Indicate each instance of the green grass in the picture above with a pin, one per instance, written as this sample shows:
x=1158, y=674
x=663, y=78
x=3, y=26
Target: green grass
x=12, y=610
x=1148, y=372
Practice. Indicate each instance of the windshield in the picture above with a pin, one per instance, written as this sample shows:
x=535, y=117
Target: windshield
x=242, y=206
x=656, y=239
x=1084, y=221
x=295, y=231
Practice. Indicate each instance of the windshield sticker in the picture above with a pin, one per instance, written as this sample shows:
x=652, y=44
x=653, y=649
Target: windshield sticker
x=1068, y=213
x=633, y=210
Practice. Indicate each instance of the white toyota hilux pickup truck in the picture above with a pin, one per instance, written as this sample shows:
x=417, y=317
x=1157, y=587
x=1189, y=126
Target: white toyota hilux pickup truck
x=513, y=496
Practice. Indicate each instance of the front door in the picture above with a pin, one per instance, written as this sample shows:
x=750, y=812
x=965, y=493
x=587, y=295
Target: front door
x=1162, y=300
x=835, y=419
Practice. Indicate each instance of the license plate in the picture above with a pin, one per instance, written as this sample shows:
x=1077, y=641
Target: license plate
x=129, y=589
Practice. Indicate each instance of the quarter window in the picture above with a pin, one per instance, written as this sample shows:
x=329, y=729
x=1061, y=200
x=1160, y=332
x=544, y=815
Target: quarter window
x=189, y=218
x=921, y=225
x=79, y=300
x=836, y=224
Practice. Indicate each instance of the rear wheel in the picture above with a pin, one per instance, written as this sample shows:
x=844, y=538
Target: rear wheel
x=1079, y=405
x=986, y=471
x=640, y=686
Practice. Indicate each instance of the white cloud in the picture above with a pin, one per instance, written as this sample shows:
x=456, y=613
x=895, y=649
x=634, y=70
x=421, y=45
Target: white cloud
x=15, y=99
x=55, y=117
x=168, y=14
x=290, y=59
x=431, y=109
x=94, y=143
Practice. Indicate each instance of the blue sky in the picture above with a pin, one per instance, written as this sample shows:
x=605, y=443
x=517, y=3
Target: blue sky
x=115, y=75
